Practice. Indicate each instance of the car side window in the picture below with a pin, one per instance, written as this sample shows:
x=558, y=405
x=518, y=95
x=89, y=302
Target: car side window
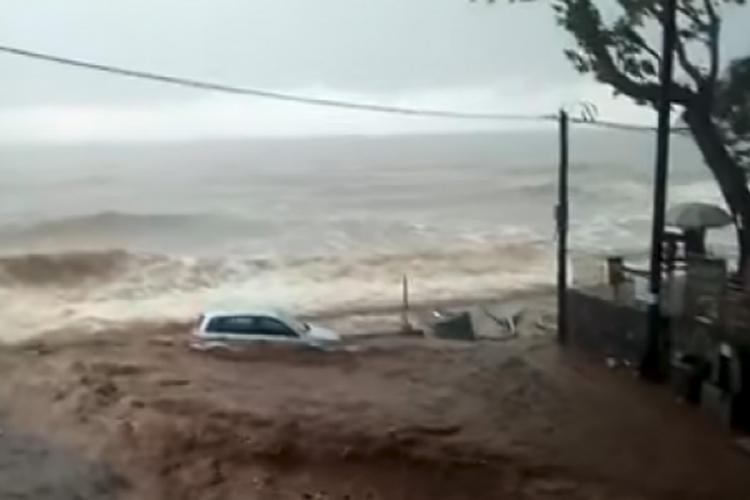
x=233, y=324
x=271, y=326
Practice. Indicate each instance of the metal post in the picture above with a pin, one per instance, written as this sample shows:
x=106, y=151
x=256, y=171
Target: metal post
x=405, y=323
x=562, y=233
x=651, y=365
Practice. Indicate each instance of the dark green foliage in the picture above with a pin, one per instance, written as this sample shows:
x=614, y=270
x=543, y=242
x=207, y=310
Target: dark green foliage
x=732, y=109
x=616, y=51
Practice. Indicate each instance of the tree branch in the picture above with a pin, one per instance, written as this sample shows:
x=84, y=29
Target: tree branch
x=713, y=17
x=692, y=14
x=680, y=46
x=607, y=72
x=583, y=20
x=640, y=42
x=690, y=68
x=713, y=41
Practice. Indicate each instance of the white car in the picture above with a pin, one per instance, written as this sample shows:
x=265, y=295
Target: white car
x=229, y=329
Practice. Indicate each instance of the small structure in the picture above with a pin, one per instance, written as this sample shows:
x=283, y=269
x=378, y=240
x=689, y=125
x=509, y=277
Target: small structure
x=693, y=219
x=697, y=216
x=707, y=349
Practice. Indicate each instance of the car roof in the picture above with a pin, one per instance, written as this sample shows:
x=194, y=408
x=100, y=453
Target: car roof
x=247, y=311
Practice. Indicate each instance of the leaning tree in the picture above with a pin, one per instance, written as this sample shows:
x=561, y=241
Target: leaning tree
x=618, y=50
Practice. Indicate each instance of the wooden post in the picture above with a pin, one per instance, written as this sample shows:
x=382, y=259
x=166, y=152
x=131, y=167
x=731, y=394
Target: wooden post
x=562, y=233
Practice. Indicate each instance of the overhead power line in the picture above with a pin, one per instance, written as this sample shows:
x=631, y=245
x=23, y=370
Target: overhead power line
x=612, y=125
x=315, y=101
x=280, y=96
x=623, y=126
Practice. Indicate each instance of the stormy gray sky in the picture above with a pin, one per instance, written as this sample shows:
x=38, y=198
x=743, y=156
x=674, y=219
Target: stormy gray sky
x=424, y=53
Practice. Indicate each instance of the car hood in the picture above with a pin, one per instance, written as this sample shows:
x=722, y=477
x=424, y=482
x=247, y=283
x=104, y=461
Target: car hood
x=323, y=334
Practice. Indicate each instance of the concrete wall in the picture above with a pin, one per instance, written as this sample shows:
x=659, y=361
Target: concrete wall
x=607, y=328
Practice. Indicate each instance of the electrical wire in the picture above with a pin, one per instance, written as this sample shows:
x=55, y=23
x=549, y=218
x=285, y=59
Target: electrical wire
x=231, y=89
x=315, y=101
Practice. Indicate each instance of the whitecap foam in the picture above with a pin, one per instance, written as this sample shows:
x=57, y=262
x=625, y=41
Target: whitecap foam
x=126, y=286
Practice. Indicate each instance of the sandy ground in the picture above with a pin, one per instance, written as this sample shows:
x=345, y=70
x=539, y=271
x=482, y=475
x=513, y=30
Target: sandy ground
x=139, y=416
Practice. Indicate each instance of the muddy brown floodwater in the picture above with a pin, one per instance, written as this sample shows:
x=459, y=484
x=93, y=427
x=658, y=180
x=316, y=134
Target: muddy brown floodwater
x=395, y=418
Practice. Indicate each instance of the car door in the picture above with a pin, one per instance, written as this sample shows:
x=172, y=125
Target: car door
x=274, y=330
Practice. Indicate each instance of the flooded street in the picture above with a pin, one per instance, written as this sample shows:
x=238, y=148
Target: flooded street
x=404, y=418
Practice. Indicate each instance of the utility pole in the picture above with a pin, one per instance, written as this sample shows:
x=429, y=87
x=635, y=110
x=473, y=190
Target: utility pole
x=561, y=216
x=651, y=366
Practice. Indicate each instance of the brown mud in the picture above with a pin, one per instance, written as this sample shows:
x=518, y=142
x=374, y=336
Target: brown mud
x=395, y=418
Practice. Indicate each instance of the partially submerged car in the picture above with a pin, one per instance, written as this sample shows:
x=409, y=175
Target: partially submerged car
x=235, y=329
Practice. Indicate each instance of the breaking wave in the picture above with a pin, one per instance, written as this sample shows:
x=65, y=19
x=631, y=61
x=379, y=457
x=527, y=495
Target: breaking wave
x=76, y=288
x=91, y=269
x=119, y=221
x=67, y=269
x=108, y=229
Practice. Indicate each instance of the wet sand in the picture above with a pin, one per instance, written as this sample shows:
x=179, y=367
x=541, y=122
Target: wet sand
x=395, y=418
